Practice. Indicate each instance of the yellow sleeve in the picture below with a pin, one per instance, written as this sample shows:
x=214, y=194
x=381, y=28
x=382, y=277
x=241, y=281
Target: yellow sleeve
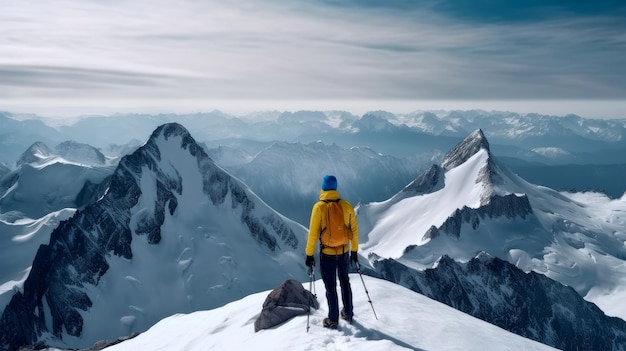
x=314, y=230
x=354, y=243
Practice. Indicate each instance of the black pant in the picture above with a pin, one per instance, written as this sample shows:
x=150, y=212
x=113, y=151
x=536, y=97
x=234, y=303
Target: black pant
x=330, y=265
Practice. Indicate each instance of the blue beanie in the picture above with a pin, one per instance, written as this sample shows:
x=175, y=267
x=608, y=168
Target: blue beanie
x=329, y=182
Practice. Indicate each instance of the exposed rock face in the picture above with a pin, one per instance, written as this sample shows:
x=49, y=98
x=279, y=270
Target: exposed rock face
x=427, y=182
x=55, y=292
x=466, y=149
x=91, y=192
x=509, y=206
x=528, y=304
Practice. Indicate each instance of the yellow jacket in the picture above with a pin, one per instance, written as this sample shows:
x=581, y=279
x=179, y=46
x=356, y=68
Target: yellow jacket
x=318, y=220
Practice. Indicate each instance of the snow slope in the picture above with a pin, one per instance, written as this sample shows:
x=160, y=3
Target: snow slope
x=406, y=321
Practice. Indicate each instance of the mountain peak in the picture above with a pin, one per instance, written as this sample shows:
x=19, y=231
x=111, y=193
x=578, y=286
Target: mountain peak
x=172, y=130
x=466, y=149
x=34, y=153
x=79, y=152
x=171, y=221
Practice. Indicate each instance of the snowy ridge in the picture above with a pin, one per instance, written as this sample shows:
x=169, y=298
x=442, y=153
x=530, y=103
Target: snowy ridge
x=407, y=321
x=386, y=238
x=171, y=221
x=39, y=155
x=35, y=153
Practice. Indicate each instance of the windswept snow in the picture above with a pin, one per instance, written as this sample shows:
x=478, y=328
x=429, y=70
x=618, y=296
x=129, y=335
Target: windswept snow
x=406, y=321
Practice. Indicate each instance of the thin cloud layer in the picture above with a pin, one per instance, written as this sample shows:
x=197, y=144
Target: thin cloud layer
x=70, y=51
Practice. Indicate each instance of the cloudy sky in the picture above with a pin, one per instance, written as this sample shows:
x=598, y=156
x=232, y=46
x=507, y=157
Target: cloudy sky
x=552, y=56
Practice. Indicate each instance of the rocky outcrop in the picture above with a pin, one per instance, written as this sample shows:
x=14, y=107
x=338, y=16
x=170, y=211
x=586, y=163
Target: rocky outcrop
x=509, y=206
x=528, y=304
x=91, y=192
x=429, y=181
x=286, y=301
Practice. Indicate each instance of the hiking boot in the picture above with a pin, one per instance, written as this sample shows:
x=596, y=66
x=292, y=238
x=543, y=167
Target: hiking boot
x=330, y=324
x=345, y=317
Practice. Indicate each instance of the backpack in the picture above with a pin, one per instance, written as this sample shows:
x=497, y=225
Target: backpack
x=335, y=233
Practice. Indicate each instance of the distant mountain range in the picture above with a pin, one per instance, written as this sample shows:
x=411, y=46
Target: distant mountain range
x=541, y=148
x=527, y=136
x=165, y=229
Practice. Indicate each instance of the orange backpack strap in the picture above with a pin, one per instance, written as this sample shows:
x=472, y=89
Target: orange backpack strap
x=322, y=225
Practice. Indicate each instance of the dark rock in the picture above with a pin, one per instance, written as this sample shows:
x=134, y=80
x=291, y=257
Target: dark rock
x=427, y=182
x=286, y=301
x=528, y=304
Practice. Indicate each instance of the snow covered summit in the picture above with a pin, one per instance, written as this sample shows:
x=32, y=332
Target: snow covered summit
x=470, y=204
x=173, y=233
x=475, y=142
x=468, y=183
x=406, y=321
x=40, y=155
x=48, y=179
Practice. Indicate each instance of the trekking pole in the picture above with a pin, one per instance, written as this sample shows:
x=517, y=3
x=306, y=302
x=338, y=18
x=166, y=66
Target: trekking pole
x=358, y=269
x=312, y=291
